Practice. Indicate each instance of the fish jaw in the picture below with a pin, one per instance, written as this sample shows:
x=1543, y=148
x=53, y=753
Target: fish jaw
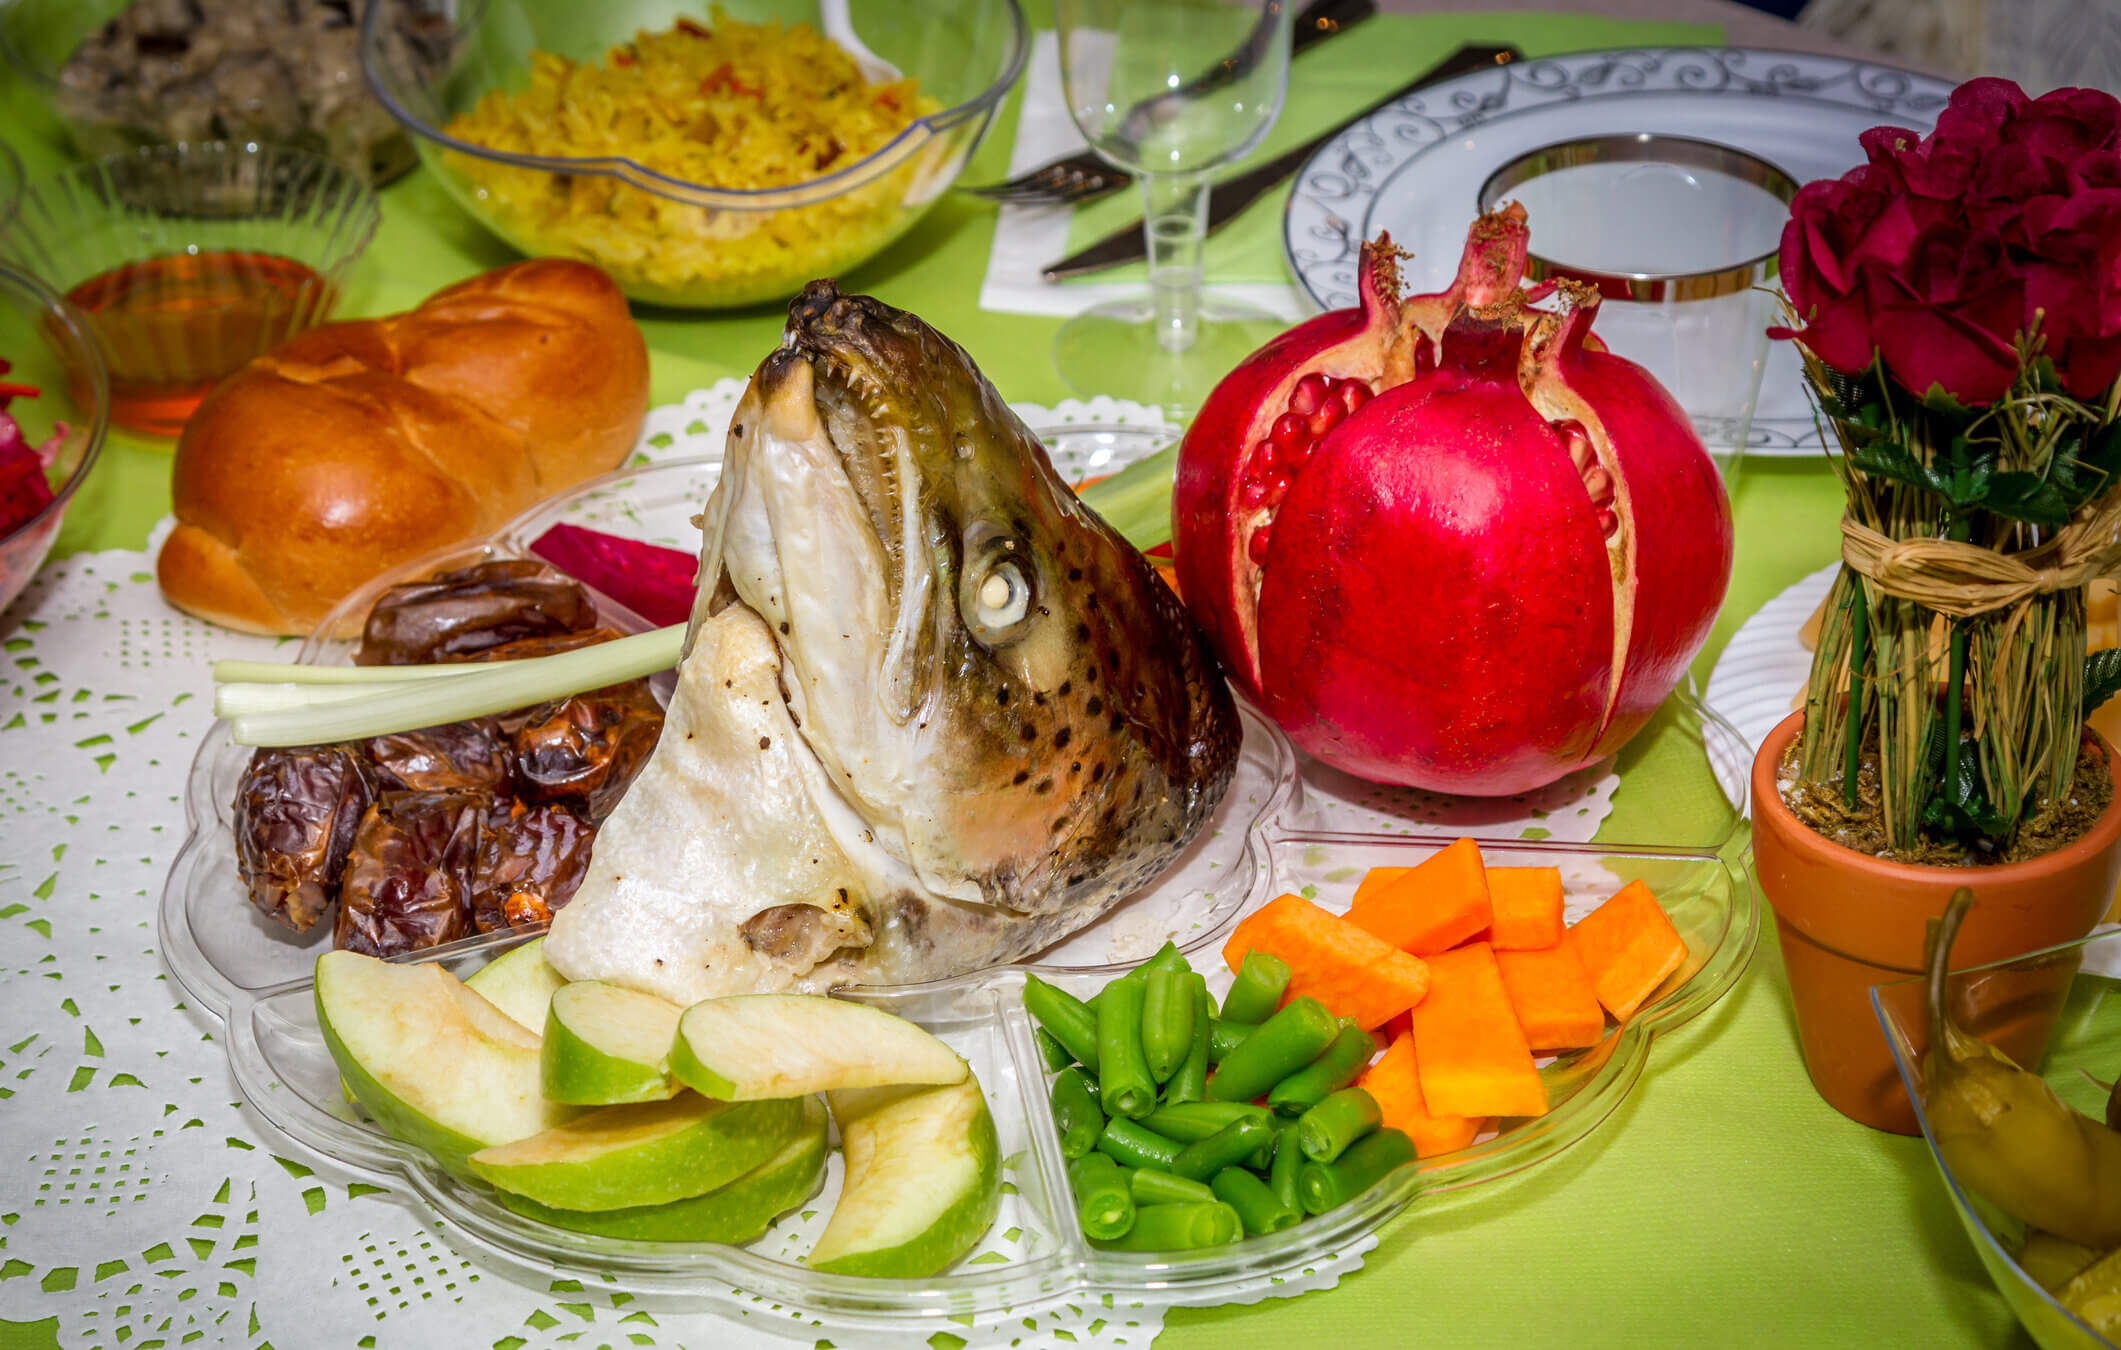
x=693, y=878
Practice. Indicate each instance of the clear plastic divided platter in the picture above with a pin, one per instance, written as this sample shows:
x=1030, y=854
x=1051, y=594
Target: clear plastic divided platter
x=1286, y=825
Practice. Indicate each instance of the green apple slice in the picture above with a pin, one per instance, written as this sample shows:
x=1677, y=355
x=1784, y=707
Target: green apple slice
x=605, y=1044
x=923, y=1180
x=434, y=1063
x=650, y=1153
x=519, y=983
x=752, y=1046
x=736, y=1213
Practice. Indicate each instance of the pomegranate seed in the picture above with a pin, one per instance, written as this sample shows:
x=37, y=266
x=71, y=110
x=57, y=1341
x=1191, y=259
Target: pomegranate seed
x=1253, y=491
x=1598, y=483
x=1277, y=487
x=1256, y=547
x=1353, y=394
x=1327, y=418
x=1608, y=522
x=1310, y=393
x=1289, y=431
x=1581, y=452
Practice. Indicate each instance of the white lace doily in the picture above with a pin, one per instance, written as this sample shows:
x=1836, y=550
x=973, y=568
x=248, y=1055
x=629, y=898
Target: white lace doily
x=140, y=1202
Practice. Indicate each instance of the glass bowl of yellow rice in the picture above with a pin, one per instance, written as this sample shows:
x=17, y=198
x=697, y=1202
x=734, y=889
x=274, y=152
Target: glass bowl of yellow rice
x=705, y=158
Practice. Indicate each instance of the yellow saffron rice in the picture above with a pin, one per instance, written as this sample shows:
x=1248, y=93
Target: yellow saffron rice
x=726, y=105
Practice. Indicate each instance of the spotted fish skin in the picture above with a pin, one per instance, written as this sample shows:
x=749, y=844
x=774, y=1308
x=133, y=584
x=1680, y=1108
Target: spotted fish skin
x=1003, y=720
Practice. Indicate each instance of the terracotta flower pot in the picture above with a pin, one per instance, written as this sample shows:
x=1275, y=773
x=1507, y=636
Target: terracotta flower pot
x=1848, y=921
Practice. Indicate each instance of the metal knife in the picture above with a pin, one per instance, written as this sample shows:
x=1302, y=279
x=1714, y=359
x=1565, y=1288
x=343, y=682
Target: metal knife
x=1231, y=196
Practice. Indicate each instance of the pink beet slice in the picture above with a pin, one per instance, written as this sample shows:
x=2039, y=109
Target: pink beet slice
x=652, y=581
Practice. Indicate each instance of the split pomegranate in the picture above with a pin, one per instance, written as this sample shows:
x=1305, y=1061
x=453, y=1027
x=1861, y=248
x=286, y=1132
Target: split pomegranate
x=1449, y=541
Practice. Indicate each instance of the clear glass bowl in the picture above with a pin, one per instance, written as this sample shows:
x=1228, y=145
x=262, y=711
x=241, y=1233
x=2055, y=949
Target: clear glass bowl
x=672, y=242
x=239, y=97
x=51, y=347
x=190, y=260
x=1276, y=831
x=2087, y=1037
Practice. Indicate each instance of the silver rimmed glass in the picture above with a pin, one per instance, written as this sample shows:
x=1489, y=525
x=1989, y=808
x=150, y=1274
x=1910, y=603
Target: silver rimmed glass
x=1169, y=90
x=1679, y=237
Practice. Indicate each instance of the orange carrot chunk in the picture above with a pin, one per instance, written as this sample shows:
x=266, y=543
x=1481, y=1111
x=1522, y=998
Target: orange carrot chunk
x=1432, y=907
x=1355, y=974
x=1628, y=946
x=1375, y=880
x=1527, y=903
x=1396, y=1086
x=1468, y=1048
x=1552, y=996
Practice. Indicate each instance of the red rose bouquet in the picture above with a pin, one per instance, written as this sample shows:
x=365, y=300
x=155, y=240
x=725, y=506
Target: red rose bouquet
x=1957, y=299
x=1945, y=255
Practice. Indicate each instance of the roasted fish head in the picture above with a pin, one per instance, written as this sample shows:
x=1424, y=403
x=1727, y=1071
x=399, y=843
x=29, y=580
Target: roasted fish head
x=998, y=719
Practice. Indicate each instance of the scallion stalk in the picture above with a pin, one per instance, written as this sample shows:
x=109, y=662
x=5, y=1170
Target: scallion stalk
x=481, y=690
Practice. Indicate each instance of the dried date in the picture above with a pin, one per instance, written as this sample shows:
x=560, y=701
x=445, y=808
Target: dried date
x=459, y=614
x=408, y=880
x=296, y=815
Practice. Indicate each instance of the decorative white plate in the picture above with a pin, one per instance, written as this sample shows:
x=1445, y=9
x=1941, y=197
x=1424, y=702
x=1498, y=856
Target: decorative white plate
x=1763, y=668
x=1415, y=168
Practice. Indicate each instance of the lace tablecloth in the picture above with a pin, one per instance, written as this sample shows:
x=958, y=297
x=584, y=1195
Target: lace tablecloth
x=142, y=1204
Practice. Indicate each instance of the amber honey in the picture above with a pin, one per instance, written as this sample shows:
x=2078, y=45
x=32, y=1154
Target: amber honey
x=173, y=327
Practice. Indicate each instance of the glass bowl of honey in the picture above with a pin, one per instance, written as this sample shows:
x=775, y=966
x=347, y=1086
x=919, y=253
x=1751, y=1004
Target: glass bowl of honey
x=189, y=260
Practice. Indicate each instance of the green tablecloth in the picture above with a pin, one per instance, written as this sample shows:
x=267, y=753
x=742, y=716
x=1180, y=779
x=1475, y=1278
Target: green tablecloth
x=1722, y=1204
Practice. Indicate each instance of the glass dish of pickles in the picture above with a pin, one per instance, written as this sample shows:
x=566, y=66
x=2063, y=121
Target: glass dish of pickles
x=2036, y=1183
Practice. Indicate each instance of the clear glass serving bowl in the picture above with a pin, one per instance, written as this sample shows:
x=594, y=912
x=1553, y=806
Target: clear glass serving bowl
x=50, y=347
x=307, y=93
x=2086, y=1040
x=1276, y=831
x=190, y=260
x=674, y=242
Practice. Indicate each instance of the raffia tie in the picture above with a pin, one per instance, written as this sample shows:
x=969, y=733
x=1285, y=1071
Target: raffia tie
x=1963, y=580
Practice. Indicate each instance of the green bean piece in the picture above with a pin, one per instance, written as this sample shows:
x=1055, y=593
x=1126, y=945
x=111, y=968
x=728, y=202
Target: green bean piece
x=1225, y=1036
x=1283, y=1044
x=1190, y=1122
x=1177, y=1228
x=1051, y=1052
x=1341, y=1064
x=1154, y=1186
x=1167, y=1022
x=1103, y=1200
x=1227, y=1147
x=1123, y=1087
x=1258, y=1208
x=1324, y=1186
x=1262, y=978
x=1136, y=1145
x=1168, y=957
x=1063, y=1016
x=1326, y=1130
x=1190, y=1083
x=1075, y=1112
x=1287, y=1165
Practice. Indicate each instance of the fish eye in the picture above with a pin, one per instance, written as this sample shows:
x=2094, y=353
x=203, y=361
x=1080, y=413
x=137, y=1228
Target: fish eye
x=1002, y=598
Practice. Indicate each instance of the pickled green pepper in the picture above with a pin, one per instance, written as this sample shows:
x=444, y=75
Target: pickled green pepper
x=2002, y=1130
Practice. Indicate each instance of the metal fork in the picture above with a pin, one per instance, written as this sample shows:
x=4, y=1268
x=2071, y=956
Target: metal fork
x=1084, y=177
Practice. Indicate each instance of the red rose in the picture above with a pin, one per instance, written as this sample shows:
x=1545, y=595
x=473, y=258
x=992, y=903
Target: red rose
x=1939, y=252
x=1948, y=317
x=1837, y=229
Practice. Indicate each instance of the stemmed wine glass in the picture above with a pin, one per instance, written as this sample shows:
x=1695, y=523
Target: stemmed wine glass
x=1168, y=90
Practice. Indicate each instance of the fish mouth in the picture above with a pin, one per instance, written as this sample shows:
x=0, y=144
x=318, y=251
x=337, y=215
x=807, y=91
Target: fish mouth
x=867, y=362
x=858, y=374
